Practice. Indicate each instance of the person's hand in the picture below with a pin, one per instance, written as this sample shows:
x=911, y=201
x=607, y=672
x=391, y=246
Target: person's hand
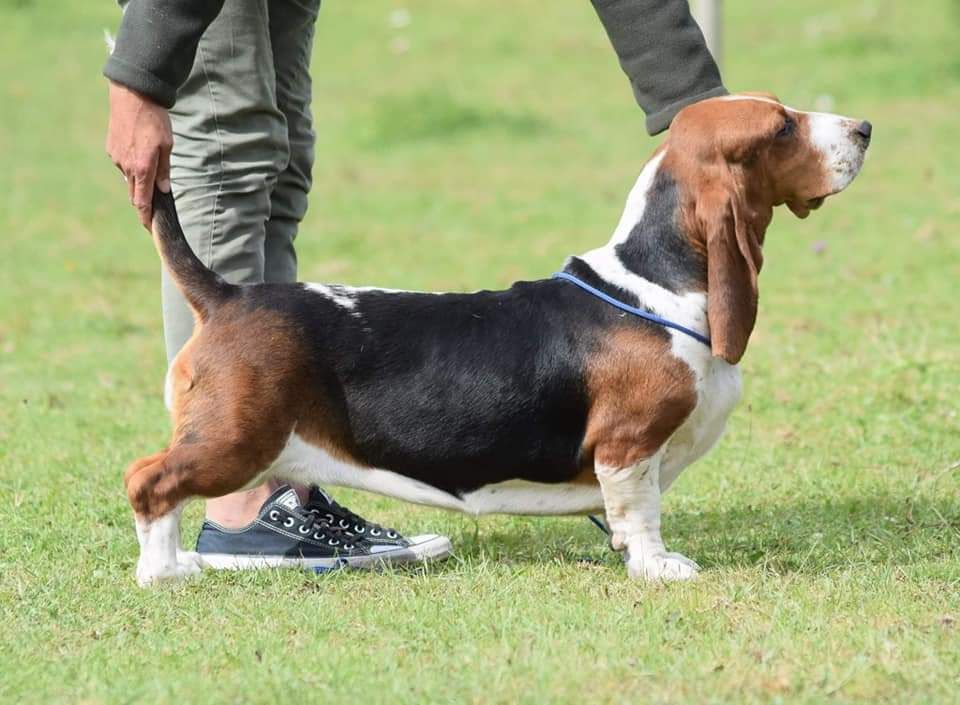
x=139, y=140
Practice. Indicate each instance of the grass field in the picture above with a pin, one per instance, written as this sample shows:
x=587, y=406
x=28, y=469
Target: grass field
x=481, y=144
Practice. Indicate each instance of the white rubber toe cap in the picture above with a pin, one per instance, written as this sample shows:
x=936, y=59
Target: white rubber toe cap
x=430, y=546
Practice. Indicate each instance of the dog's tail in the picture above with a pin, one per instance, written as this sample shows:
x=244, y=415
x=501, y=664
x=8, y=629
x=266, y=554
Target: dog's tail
x=203, y=288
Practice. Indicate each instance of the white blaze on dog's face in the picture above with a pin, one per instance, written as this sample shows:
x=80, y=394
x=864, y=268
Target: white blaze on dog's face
x=843, y=143
x=780, y=154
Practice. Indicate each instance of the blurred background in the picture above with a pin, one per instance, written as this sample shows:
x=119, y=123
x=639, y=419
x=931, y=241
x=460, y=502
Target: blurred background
x=465, y=145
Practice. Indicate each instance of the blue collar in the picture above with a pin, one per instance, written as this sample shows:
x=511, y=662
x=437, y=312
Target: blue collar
x=632, y=309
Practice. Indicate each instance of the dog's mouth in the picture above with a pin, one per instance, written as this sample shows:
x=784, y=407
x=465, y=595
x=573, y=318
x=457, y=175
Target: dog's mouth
x=802, y=209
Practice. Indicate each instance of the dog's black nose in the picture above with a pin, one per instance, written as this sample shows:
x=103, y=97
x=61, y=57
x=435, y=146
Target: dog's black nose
x=865, y=129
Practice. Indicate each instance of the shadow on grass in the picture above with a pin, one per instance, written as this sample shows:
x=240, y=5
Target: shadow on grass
x=804, y=537
x=811, y=537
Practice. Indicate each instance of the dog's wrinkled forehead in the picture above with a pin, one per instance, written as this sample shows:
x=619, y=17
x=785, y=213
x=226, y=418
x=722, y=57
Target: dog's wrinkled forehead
x=729, y=125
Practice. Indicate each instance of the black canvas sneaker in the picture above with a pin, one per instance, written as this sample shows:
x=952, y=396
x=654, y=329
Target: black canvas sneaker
x=287, y=535
x=282, y=535
x=382, y=542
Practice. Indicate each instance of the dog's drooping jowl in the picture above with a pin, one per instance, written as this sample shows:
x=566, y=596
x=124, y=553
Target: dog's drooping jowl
x=556, y=396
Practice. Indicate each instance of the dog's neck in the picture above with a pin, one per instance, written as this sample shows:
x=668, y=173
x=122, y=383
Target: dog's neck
x=648, y=251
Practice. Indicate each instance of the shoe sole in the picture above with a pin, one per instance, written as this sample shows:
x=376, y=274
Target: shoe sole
x=421, y=550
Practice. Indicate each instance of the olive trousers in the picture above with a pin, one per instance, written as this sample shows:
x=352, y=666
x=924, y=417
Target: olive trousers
x=243, y=148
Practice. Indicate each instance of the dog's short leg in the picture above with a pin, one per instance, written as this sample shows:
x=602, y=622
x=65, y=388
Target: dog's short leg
x=157, y=498
x=160, y=485
x=160, y=555
x=632, y=499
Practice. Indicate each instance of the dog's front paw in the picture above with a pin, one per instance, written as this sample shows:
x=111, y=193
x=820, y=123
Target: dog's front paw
x=661, y=566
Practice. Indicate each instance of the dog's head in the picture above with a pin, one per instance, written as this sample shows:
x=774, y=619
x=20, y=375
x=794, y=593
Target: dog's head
x=774, y=153
x=738, y=157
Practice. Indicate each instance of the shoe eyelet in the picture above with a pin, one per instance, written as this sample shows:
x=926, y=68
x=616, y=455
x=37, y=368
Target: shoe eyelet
x=289, y=521
x=274, y=515
x=375, y=532
x=334, y=542
x=330, y=518
x=392, y=534
x=359, y=529
x=304, y=529
x=348, y=546
x=317, y=536
x=344, y=524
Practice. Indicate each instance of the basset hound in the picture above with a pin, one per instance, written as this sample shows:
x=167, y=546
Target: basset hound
x=586, y=391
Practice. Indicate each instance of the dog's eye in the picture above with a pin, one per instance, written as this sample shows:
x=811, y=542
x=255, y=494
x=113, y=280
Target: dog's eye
x=787, y=129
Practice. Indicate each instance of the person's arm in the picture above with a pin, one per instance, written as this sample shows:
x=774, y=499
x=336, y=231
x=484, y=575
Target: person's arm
x=153, y=55
x=663, y=53
x=156, y=44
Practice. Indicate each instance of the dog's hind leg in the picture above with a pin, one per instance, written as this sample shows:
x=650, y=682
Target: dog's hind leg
x=631, y=497
x=233, y=409
x=160, y=485
x=157, y=503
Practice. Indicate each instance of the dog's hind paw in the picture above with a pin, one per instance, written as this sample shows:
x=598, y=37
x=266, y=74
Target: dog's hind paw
x=190, y=558
x=151, y=574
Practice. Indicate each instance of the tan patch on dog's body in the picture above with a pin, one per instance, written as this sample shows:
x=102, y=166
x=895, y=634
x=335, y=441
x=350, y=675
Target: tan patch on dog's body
x=641, y=394
x=233, y=407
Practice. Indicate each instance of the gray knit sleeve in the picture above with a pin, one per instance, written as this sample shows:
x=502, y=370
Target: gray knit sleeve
x=663, y=53
x=156, y=45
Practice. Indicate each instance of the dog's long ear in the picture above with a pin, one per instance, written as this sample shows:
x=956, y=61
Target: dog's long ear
x=734, y=240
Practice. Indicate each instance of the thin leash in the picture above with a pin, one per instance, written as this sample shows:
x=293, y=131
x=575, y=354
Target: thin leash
x=641, y=313
x=598, y=522
x=646, y=315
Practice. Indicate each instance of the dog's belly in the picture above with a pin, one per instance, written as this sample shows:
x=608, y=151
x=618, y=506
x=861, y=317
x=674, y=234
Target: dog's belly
x=304, y=463
x=523, y=497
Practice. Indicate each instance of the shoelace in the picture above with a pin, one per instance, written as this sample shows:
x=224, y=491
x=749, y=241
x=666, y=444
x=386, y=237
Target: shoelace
x=315, y=527
x=342, y=519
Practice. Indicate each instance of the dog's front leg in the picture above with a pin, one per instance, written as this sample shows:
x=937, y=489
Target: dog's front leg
x=631, y=497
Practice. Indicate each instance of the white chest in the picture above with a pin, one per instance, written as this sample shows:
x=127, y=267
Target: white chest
x=718, y=390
